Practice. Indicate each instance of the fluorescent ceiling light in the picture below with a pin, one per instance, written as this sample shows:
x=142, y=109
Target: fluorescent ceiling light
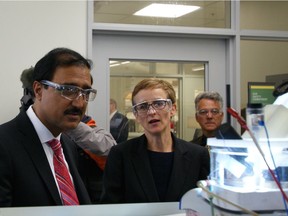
x=198, y=68
x=166, y=10
x=114, y=65
x=117, y=63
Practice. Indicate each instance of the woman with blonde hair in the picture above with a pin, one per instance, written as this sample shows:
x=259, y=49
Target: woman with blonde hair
x=157, y=166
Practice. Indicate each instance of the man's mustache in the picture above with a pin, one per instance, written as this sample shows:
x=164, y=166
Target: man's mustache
x=73, y=111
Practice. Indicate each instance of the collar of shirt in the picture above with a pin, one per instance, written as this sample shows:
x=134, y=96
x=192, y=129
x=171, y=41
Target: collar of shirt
x=45, y=135
x=42, y=131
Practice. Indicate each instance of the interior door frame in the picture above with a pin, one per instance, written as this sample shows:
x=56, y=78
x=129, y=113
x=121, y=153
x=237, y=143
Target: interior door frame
x=105, y=46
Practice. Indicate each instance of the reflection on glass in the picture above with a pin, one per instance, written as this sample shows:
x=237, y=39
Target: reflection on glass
x=212, y=14
x=186, y=77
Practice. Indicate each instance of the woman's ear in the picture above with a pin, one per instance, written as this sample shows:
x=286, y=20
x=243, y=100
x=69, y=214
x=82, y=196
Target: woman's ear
x=173, y=110
x=136, y=116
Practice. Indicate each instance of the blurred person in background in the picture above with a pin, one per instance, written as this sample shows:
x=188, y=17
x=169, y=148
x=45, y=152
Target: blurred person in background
x=119, y=124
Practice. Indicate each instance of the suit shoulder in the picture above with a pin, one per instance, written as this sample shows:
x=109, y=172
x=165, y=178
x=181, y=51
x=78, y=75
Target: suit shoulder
x=129, y=144
x=68, y=143
x=196, y=140
x=11, y=127
x=190, y=146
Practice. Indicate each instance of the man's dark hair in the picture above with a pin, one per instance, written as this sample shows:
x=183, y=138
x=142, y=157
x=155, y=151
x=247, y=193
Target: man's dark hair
x=45, y=69
x=59, y=57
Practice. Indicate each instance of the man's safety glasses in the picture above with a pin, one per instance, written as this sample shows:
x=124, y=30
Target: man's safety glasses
x=71, y=92
x=204, y=112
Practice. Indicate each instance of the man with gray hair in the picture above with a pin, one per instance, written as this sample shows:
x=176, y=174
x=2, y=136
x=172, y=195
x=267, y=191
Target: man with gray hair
x=209, y=115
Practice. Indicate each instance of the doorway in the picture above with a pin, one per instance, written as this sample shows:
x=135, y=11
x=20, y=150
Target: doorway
x=156, y=52
x=187, y=78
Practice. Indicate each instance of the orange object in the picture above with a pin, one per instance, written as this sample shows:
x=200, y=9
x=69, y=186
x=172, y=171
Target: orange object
x=99, y=160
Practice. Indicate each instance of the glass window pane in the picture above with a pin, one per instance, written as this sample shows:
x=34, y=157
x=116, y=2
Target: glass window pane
x=194, y=69
x=264, y=15
x=262, y=61
x=213, y=14
x=167, y=68
x=118, y=67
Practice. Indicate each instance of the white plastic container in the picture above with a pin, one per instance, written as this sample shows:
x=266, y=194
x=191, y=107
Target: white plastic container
x=239, y=173
x=238, y=163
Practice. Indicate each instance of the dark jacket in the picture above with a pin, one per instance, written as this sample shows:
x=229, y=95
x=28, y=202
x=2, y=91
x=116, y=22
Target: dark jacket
x=201, y=140
x=128, y=176
x=26, y=178
x=91, y=167
x=119, y=127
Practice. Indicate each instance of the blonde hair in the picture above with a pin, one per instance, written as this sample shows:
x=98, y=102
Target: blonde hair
x=152, y=83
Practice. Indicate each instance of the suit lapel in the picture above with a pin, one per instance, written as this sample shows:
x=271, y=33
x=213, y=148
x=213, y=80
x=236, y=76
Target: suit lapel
x=67, y=145
x=34, y=148
x=143, y=171
x=179, y=171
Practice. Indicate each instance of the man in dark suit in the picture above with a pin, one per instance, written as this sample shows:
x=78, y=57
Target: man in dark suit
x=209, y=115
x=93, y=142
x=119, y=127
x=62, y=88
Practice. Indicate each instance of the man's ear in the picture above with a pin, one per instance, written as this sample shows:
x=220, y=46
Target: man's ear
x=196, y=117
x=37, y=87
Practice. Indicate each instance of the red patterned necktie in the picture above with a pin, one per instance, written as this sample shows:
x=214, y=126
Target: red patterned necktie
x=68, y=194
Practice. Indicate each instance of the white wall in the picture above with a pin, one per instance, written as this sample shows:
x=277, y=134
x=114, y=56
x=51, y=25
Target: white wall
x=30, y=29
